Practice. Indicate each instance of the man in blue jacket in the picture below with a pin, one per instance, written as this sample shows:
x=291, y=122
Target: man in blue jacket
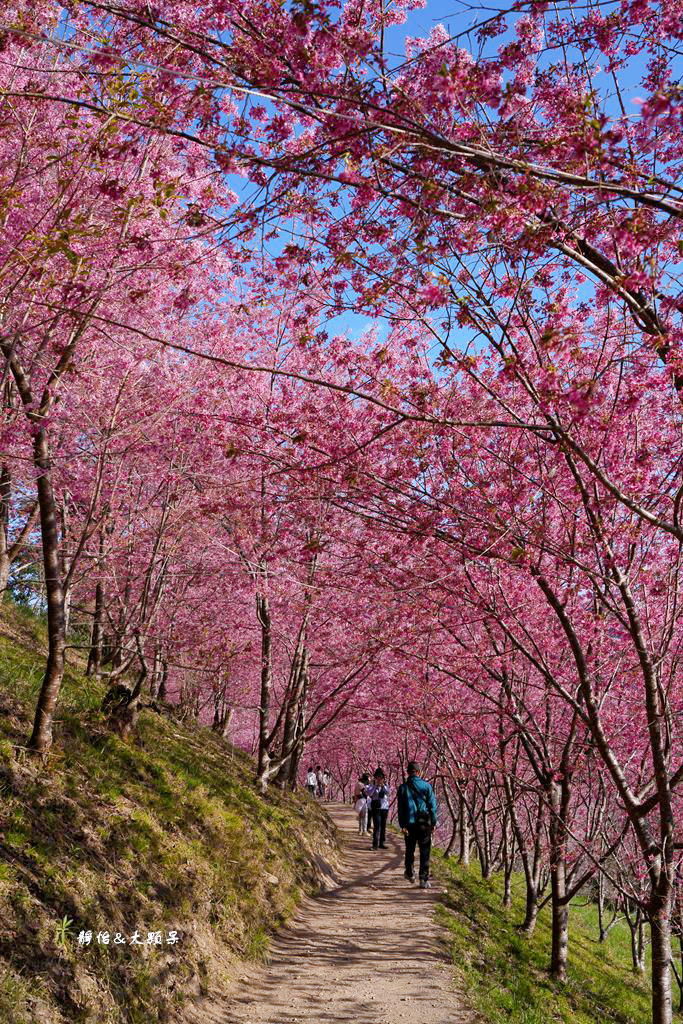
x=417, y=819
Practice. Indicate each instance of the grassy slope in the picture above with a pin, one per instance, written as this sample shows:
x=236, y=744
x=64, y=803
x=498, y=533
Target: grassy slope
x=505, y=975
x=166, y=832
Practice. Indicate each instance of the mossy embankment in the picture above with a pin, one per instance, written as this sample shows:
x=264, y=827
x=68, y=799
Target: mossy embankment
x=505, y=974
x=165, y=833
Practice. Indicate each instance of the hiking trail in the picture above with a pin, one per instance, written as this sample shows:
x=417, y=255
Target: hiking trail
x=367, y=951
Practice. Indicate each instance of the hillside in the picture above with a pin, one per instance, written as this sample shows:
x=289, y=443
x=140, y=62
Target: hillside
x=163, y=834
x=504, y=974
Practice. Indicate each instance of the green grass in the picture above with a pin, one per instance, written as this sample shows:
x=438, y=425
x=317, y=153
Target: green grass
x=164, y=832
x=505, y=974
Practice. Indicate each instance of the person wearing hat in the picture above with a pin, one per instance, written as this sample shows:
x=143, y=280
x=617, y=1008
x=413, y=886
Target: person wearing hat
x=378, y=795
x=417, y=820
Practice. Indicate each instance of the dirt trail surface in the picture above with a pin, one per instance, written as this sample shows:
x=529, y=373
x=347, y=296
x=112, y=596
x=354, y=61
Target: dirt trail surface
x=365, y=952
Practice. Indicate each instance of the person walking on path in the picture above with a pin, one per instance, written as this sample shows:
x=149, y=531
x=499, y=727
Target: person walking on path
x=417, y=820
x=378, y=795
x=311, y=781
x=360, y=803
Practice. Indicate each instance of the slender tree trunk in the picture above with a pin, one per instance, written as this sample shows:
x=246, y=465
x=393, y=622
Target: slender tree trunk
x=602, y=931
x=5, y=559
x=65, y=564
x=41, y=737
x=293, y=713
x=464, y=853
x=454, y=819
x=161, y=693
x=94, y=667
x=263, y=613
x=155, y=676
x=120, y=651
x=531, y=859
x=640, y=964
x=292, y=730
x=531, y=914
x=635, y=956
x=508, y=863
x=300, y=738
x=485, y=845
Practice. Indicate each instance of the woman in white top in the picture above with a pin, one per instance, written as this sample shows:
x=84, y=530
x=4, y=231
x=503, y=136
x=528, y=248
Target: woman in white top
x=361, y=804
x=311, y=781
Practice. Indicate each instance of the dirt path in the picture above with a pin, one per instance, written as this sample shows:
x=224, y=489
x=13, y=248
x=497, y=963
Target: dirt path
x=366, y=952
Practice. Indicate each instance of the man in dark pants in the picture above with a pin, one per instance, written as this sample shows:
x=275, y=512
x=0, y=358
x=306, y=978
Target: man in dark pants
x=417, y=819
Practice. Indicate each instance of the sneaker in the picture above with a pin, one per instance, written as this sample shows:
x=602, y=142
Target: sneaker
x=383, y=846
x=425, y=884
x=411, y=878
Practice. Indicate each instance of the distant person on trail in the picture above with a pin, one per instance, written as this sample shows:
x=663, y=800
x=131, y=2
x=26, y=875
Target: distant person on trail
x=360, y=803
x=311, y=781
x=378, y=795
x=320, y=783
x=327, y=785
x=417, y=820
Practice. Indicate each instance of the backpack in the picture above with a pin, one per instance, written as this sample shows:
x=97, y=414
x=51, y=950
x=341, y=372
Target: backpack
x=423, y=819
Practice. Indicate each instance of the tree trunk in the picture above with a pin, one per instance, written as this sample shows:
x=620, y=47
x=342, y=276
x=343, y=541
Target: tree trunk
x=5, y=559
x=531, y=914
x=485, y=844
x=660, y=931
x=155, y=677
x=225, y=728
x=636, y=927
x=641, y=945
x=558, y=883
x=531, y=858
x=161, y=693
x=298, y=752
x=293, y=713
x=602, y=931
x=41, y=737
x=464, y=853
x=94, y=667
x=454, y=819
x=508, y=863
x=263, y=614
x=635, y=953
x=65, y=565
x=560, y=942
